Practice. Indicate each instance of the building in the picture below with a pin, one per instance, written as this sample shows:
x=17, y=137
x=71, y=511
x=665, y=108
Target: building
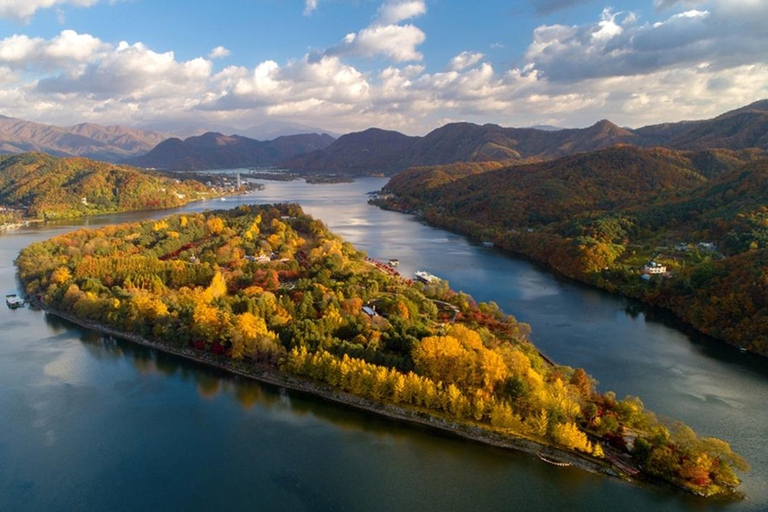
x=654, y=268
x=370, y=311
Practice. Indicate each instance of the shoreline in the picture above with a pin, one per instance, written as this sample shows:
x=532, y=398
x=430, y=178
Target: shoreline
x=584, y=282
x=28, y=221
x=274, y=377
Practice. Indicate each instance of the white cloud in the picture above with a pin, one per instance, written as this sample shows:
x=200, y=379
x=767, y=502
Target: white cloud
x=692, y=64
x=23, y=10
x=464, y=60
x=385, y=36
x=309, y=7
x=396, y=42
x=395, y=11
x=219, y=53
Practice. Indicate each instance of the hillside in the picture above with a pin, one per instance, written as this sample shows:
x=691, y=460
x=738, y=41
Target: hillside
x=541, y=193
x=109, y=143
x=370, y=152
x=47, y=187
x=217, y=151
x=601, y=216
x=378, y=151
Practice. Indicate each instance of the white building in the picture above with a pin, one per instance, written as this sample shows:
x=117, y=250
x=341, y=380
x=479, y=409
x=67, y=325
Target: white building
x=654, y=268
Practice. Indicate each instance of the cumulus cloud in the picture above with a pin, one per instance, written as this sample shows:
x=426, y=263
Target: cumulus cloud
x=67, y=49
x=395, y=11
x=385, y=36
x=23, y=10
x=396, y=42
x=219, y=53
x=618, y=45
x=464, y=60
x=691, y=64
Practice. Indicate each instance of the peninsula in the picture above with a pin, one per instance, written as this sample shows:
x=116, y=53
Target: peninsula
x=35, y=186
x=268, y=292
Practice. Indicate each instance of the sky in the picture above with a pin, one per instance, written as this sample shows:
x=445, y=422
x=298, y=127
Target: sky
x=407, y=65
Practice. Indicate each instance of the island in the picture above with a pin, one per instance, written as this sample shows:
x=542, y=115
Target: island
x=270, y=293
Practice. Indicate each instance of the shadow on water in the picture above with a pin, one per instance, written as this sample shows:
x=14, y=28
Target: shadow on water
x=704, y=345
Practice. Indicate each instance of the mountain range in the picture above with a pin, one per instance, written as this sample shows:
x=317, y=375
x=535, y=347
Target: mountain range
x=265, y=130
x=376, y=151
x=217, y=151
x=388, y=152
x=108, y=143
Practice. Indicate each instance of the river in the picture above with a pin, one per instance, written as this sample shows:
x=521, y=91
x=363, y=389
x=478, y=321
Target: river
x=93, y=424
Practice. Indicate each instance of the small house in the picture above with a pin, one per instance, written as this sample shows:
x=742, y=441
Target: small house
x=654, y=268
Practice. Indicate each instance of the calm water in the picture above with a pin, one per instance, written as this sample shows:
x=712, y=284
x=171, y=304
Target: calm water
x=89, y=424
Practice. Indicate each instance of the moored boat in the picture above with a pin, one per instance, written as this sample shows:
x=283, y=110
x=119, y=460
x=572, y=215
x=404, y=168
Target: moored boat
x=426, y=277
x=13, y=301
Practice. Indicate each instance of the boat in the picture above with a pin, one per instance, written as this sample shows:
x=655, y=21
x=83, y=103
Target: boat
x=554, y=463
x=393, y=262
x=426, y=277
x=743, y=350
x=14, y=301
x=488, y=244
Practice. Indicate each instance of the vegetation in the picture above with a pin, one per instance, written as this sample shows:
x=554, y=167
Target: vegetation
x=48, y=188
x=388, y=152
x=270, y=287
x=601, y=217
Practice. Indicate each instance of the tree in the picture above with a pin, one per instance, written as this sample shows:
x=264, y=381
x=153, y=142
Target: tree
x=581, y=381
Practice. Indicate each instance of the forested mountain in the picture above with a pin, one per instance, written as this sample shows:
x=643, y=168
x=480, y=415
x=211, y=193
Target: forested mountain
x=217, y=151
x=746, y=127
x=47, y=187
x=109, y=143
x=377, y=151
x=369, y=152
x=602, y=216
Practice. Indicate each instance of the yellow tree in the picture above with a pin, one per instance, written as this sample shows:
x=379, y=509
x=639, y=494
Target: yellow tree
x=246, y=333
x=216, y=289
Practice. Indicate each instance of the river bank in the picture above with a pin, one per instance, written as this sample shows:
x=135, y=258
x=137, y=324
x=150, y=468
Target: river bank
x=681, y=315
x=275, y=377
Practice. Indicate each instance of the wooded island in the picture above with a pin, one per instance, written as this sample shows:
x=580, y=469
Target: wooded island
x=268, y=288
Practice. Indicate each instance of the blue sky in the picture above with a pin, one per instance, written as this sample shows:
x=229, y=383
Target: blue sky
x=409, y=65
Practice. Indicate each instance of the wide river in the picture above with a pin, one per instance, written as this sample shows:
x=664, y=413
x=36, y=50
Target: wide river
x=93, y=424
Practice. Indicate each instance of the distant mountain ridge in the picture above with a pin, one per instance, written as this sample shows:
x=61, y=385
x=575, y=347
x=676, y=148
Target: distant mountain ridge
x=388, y=152
x=216, y=151
x=108, y=143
